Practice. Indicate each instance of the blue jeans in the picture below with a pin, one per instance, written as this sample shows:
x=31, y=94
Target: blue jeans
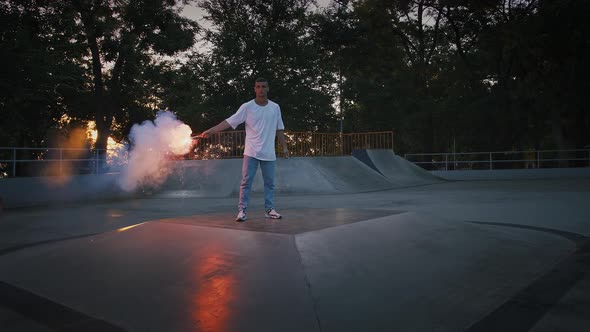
x=249, y=167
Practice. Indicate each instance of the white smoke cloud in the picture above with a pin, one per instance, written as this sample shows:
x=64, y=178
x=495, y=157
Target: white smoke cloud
x=152, y=144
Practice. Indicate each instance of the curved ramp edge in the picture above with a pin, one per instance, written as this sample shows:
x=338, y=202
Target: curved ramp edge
x=396, y=169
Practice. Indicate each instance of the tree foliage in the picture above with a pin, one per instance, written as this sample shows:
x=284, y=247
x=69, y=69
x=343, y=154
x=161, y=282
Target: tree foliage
x=250, y=39
x=37, y=66
x=124, y=35
x=478, y=75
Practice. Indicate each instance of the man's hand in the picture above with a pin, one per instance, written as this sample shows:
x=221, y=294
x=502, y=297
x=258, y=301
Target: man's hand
x=286, y=154
x=223, y=125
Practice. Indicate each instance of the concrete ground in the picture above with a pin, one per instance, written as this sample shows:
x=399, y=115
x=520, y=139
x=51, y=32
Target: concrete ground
x=451, y=256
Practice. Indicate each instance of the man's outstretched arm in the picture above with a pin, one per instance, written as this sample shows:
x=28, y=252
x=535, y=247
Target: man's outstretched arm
x=223, y=125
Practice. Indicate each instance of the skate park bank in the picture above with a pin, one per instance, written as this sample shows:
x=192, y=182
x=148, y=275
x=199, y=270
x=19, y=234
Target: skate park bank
x=419, y=254
x=221, y=178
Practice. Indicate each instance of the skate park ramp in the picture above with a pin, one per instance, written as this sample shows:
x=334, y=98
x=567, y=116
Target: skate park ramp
x=50, y=190
x=297, y=175
x=396, y=169
x=203, y=178
x=221, y=178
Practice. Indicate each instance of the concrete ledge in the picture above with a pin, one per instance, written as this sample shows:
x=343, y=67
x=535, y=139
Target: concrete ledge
x=514, y=174
x=35, y=191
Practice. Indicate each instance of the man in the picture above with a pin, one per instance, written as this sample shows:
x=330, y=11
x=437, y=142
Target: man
x=263, y=123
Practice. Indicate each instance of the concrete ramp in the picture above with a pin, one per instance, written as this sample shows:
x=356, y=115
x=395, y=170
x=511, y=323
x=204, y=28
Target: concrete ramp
x=397, y=170
x=203, y=178
x=221, y=178
x=318, y=175
x=48, y=190
x=349, y=175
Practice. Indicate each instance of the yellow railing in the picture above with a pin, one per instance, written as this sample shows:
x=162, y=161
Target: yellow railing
x=230, y=144
x=374, y=140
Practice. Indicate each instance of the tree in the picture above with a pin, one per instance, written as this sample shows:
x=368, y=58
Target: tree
x=271, y=39
x=535, y=54
x=120, y=37
x=37, y=65
x=390, y=54
x=557, y=70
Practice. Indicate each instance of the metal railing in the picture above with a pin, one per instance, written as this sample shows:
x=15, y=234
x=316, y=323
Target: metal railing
x=49, y=161
x=501, y=159
x=230, y=144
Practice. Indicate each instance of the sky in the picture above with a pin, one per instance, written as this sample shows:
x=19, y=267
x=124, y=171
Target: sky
x=193, y=12
x=196, y=13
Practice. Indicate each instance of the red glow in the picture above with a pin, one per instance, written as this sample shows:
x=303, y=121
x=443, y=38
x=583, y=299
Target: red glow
x=216, y=292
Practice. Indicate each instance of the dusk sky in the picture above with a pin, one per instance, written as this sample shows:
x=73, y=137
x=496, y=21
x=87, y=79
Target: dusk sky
x=196, y=13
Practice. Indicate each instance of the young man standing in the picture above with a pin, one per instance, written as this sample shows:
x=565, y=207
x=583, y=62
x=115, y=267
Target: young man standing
x=263, y=123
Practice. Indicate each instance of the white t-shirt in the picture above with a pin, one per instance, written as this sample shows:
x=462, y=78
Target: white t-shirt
x=262, y=123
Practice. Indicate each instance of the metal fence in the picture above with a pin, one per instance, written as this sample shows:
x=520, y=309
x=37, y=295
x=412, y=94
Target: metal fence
x=501, y=159
x=230, y=144
x=49, y=161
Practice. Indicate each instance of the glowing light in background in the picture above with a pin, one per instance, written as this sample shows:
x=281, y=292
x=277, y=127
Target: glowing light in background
x=115, y=150
x=91, y=131
x=64, y=161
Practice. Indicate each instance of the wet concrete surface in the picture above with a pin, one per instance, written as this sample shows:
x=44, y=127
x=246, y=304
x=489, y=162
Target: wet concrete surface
x=443, y=257
x=295, y=221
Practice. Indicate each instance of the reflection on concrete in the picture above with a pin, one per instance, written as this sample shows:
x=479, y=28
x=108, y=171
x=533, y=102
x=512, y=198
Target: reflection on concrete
x=122, y=229
x=399, y=260
x=216, y=291
x=114, y=213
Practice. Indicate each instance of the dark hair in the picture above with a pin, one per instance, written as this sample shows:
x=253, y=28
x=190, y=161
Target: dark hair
x=261, y=79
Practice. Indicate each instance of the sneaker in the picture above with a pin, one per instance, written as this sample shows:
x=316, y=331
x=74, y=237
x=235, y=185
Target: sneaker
x=241, y=216
x=272, y=214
